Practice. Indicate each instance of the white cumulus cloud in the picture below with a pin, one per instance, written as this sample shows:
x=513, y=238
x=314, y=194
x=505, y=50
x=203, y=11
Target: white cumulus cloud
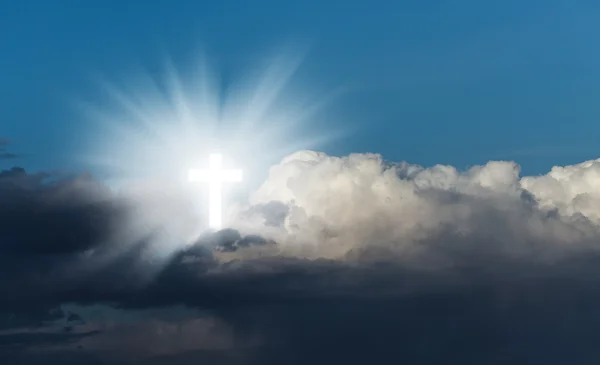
x=338, y=205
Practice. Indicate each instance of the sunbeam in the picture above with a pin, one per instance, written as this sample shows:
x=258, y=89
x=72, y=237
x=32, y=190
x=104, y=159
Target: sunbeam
x=156, y=131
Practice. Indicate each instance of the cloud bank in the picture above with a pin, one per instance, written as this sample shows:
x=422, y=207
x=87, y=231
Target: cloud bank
x=330, y=207
x=351, y=259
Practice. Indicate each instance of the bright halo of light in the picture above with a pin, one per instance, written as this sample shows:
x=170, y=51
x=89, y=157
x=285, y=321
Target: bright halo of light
x=158, y=128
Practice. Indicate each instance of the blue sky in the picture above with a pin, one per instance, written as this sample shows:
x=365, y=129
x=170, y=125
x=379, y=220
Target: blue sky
x=452, y=82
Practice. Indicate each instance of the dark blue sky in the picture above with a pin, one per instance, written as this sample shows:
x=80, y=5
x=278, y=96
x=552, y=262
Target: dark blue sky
x=434, y=81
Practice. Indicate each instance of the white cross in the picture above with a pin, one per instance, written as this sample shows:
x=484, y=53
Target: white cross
x=215, y=177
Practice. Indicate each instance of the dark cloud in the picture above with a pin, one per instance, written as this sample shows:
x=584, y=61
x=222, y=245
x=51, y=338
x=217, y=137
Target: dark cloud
x=8, y=155
x=17, y=341
x=461, y=297
x=4, y=153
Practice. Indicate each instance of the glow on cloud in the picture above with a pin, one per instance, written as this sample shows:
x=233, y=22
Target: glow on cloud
x=153, y=131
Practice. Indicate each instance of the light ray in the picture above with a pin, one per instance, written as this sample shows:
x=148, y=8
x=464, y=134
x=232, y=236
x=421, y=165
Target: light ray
x=158, y=130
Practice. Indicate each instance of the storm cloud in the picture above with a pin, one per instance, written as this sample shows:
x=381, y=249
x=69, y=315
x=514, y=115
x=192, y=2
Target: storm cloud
x=333, y=259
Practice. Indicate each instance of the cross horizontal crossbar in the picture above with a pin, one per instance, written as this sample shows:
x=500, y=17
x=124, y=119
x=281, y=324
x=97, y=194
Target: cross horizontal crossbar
x=215, y=176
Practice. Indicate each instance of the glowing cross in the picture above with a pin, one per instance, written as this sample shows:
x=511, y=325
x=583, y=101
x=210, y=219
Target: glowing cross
x=215, y=177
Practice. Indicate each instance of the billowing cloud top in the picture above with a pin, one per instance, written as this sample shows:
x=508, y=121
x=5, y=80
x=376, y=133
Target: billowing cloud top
x=335, y=205
x=328, y=252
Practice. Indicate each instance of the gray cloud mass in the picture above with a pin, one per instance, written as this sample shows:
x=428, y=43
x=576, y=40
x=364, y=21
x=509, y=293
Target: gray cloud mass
x=332, y=260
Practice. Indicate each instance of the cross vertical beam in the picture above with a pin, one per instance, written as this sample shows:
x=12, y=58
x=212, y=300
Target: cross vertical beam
x=215, y=176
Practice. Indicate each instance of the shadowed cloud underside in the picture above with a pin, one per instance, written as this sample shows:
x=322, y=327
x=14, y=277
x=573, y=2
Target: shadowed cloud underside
x=350, y=258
